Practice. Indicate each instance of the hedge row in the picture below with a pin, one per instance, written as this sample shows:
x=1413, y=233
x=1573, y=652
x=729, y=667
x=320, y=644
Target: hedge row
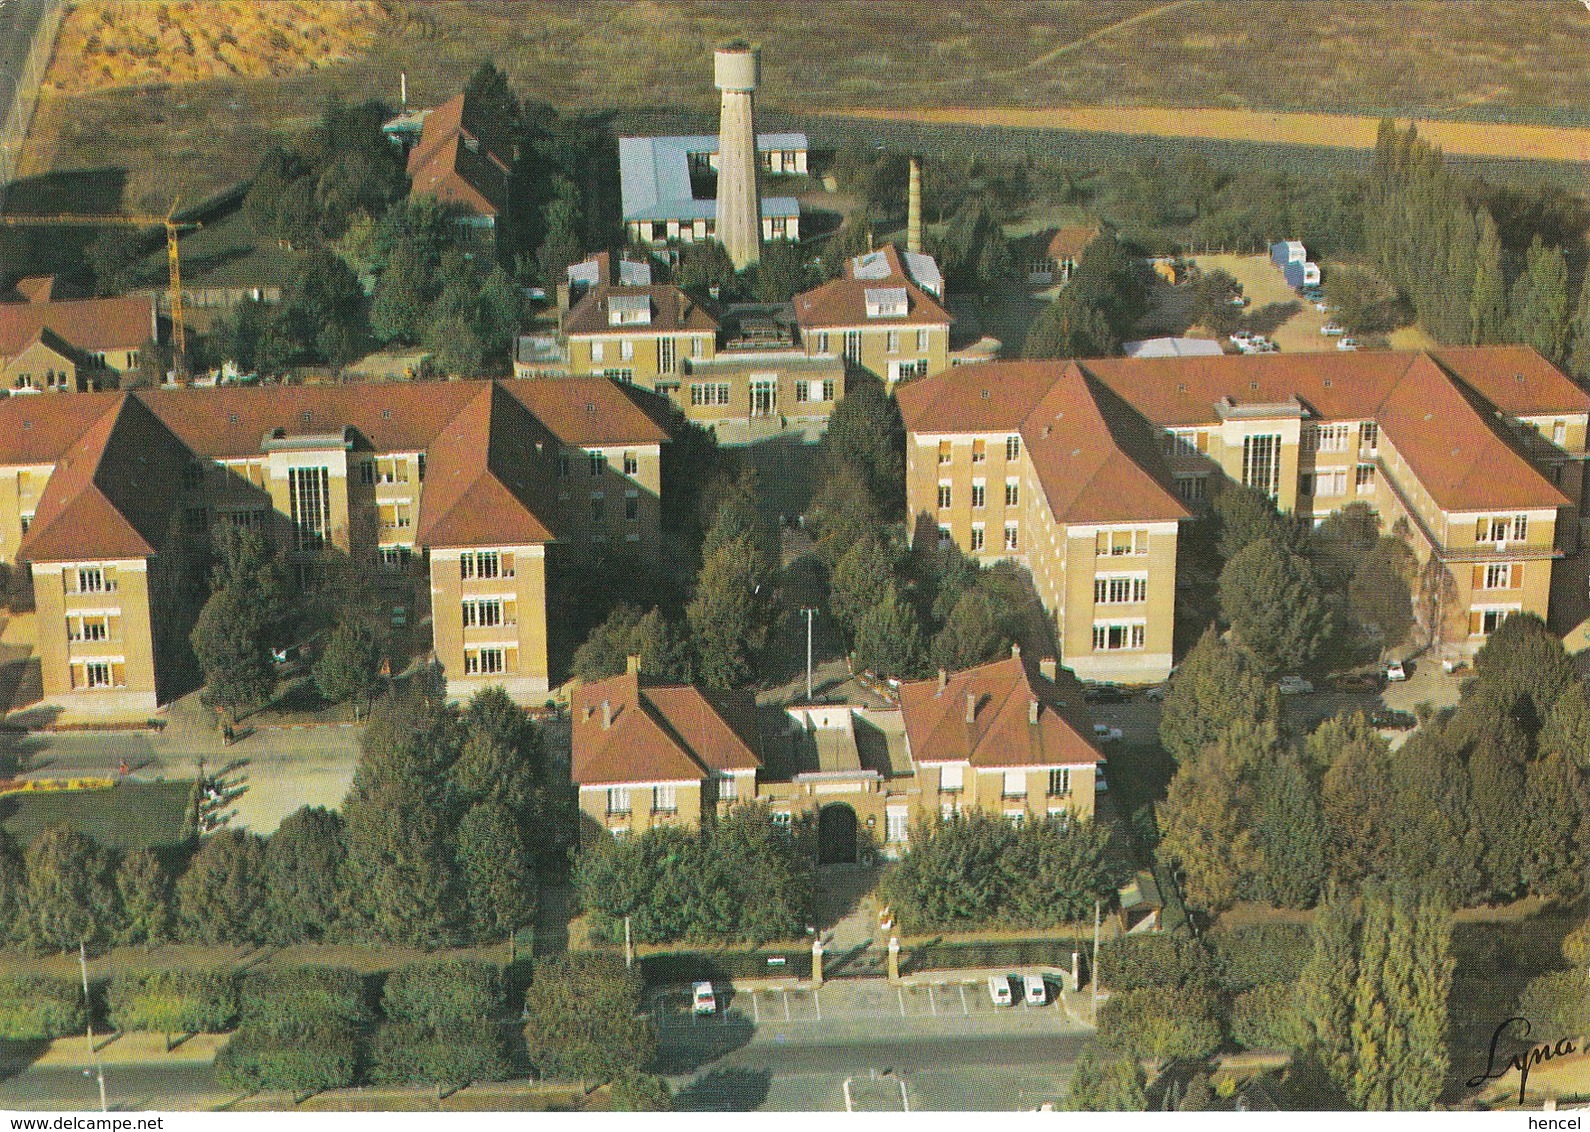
x=40, y=1007
x=672, y=967
x=314, y=1060
x=941, y=956
x=406, y=1054
x=1261, y=955
x=173, y=1002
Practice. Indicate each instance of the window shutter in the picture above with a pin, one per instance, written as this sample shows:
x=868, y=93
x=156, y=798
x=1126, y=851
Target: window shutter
x=1515, y=578
x=1479, y=577
x=510, y=660
x=118, y=674
x=1476, y=621
x=507, y=564
x=510, y=612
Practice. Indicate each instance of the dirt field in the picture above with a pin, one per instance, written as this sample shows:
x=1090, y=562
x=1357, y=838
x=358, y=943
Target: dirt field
x=135, y=146
x=1470, y=139
x=112, y=43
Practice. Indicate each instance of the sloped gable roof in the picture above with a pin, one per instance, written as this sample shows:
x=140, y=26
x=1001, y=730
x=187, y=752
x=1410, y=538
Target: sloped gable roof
x=111, y=494
x=91, y=325
x=627, y=729
x=843, y=301
x=1001, y=733
x=482, y=485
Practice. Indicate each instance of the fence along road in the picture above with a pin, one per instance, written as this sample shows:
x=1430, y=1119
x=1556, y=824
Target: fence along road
x=27, y=40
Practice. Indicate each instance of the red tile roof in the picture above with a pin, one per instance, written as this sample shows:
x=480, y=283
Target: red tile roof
x=1001, y=732
x=1443, y=433
x=1440, y=410
x=485, y=482
x=843, y=301
x=1070, y=241
x=628, y=729
x=452, y=164
x=91, y=325
x=111, y=493
x=488, y=481
x=672, y=311
x=1096, y=460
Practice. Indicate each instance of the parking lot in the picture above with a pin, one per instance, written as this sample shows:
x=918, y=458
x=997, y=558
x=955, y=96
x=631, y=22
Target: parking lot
x=865, y=1045
x=952, y=998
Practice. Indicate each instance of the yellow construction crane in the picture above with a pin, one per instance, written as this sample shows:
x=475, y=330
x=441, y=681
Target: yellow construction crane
x=173, y=227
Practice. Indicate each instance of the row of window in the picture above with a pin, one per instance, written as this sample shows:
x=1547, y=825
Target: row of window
x=92, y=674
x=1115, y=637
x=1120, y=544
x=664, y=799
x=490, y=661
x=1501, y=528
x=952, y=779
x=599, y=507
x=1123, y=590
x=980, y=450
x=1012, y=537
x=808, y=392
x=1499, y=576
x=666, y=351
x=485, y=564
x=489, y=612
x=389, y=469
x=94, y=627
x=598, y=463
x=1334, y=481
x=979, y=494
x=89, y=579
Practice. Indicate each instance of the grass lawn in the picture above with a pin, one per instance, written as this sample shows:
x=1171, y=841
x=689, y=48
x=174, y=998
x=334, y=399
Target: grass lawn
x=133, y=815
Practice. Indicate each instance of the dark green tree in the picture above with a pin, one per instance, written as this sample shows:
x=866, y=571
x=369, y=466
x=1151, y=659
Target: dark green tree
x=1207, y=819
x=972, y=633
x=498, y=876
x=586, y=1022
x=143, y=889
x=1355, y=798
x=71, y=892
x=349, y=666
x=1107, y=1082
x=1247, y=515
x=403, y=294
x=229, y=641
x=627, y=632
x=731, y=611
x=1214, y=687
x=889, y=636
x=1274, y=605
x=865, y=433
x=780, y=273
x=853, y=586
x=1538, y=303
x=221, y=898
x=302, y=870
x=1069, y=328
x=1291, y=831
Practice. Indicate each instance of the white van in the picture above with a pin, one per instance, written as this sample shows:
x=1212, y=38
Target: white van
x=704, y=1000
x=999, y=990
x=1037, y=993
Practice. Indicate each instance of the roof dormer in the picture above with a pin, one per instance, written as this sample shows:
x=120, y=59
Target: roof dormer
x=629, y=310
x=887, y=302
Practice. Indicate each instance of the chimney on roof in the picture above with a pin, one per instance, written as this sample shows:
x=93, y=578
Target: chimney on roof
x=913, y=213
x=971, y=707
x=632, y=665
x=589, y=711
x=1048, y=667
x=1015, y=651
x=944, y=678
x=607, y=714
x=1032, y=710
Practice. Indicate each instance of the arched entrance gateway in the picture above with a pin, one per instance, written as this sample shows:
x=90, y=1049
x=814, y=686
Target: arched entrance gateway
x=836, y=835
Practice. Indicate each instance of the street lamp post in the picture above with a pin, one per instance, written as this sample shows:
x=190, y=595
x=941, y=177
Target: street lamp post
x=810, y=613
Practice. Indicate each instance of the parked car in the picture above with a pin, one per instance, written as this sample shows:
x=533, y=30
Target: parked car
x=1453, y=664
x=1332, y=328
x=1396, y=671
x=1103, y=693
x=999, y=990
x=1347, y=343
x=1037, y=993
x=1294, y=685
x=1104, y=733
x=1358, y=682
x=704, y=1001
x=1389, y=720
x=1322, y=306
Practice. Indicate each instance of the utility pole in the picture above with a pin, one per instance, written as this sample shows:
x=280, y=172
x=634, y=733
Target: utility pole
x=810, y=613
x=88, y=1014
x=629, y=950
x=1095, y=979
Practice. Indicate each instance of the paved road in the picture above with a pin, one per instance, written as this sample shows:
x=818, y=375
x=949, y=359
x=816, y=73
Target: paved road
x=183, y=1085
